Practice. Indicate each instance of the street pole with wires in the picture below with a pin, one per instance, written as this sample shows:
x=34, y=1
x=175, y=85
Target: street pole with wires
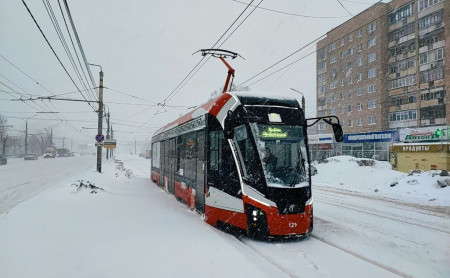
x=100, y=118
x=303, y=99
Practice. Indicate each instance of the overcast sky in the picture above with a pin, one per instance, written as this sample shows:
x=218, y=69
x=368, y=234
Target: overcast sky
x=146, y=49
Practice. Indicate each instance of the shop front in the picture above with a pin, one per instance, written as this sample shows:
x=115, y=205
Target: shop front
x=322, y=146
x=373, y=145
x=422, y=148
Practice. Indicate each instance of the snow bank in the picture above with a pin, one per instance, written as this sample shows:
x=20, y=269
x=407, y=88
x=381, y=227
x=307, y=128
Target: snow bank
x=345, y=172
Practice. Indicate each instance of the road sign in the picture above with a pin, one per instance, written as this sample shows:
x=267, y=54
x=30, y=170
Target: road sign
x=99, y=138
x=110, y=143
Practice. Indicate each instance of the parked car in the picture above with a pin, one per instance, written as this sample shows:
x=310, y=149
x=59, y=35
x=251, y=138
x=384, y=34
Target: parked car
x=30, y=156
x=3, y=160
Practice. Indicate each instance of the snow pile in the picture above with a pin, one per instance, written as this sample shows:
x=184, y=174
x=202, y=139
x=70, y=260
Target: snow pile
x=377, y=177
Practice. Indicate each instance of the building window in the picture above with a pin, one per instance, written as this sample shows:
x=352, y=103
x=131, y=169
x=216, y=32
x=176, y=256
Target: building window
x=350, y=37
x=322, y=89
x=350, y=108
x=333, y=59
x=372, y=88
x=372, y=27
x=321, y=126
x=408, y=80
x=321, y=54
x=359, y=61
x=332, y=46
x=350, y=80
x=360, y=122
x=439, y=95
x=333, y=85
x=333, y=111
x=342, y=41
x=359, y=33
x=359, y=47
x=322, y=65
x=342, y=110
x=431, y=56
x=372, y=104
x=350, y=51
x=431, y=38
x=372, y=57
x=432, y=19
x=425, y=4
x=432, y=112
x=359, y=106
x=432, y=74
x=350, y=123
x=342, y=54
x=350, y=94
x=359, y=91
x=405, y=115
x=401, y=13
x=350, y=65
x=372, y=120
x=402, y=65
x=372, y=42
x=341, y=82
x=401, y=32
x=332, y=98
x=358, y=77
x=403, y=48
x=371, y=73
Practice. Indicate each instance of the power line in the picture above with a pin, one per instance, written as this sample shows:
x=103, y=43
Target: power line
x=62, y=39
x=51, y=47
x=76, y=53
x=175, y=90
x=292, y=14
x=344, y=7
x=78, y=42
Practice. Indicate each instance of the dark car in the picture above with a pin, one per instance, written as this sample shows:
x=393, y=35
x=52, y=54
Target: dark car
x=30, y=156
x=3, y=159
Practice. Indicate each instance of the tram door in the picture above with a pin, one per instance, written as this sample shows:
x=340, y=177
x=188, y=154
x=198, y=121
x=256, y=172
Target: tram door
x=200, y=183
x=162, y=162
x=172, y=164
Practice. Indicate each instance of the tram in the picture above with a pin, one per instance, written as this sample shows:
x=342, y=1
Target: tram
x=241, y=160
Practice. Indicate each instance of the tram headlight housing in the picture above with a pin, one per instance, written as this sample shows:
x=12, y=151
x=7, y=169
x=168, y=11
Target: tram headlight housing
x=255, y=213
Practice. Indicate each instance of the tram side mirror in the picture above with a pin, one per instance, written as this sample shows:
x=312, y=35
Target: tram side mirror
x=228, y=128
x=338, y=133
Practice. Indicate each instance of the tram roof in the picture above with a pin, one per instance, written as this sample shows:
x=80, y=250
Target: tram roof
x=214, y=106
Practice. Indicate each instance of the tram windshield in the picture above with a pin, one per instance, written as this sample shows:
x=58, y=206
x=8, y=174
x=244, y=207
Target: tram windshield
x=280, y=150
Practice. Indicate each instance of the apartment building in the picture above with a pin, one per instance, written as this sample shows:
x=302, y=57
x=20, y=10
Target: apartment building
x=385, y=68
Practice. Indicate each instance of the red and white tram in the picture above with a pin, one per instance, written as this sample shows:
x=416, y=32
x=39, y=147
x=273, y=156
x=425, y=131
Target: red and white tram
x=241, y=160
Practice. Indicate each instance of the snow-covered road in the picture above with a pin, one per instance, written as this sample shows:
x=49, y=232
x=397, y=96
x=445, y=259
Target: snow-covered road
x=21, y=179
x=135, y=229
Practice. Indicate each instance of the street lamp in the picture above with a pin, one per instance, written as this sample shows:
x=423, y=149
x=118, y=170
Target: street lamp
x=303, y=98
x=26, y=132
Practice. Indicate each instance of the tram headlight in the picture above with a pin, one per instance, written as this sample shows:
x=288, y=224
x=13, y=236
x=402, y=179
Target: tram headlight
x=309, y=202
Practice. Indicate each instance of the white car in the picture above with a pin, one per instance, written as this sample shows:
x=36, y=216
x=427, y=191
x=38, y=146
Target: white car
x=313, y=170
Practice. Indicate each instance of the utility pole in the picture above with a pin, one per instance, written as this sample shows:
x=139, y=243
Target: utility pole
x=112, y=137
x=134, y=146
x=100, y=121
x=100, y=118
x=107, y=134
x=26, y=136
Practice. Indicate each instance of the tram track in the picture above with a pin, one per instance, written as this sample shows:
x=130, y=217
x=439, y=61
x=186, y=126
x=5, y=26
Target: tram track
x=296, y=248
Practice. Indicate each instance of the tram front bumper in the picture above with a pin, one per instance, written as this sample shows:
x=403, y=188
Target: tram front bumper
x=290, y=224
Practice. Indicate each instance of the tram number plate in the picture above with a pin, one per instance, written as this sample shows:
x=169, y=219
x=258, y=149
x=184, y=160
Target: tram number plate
x=292, y=224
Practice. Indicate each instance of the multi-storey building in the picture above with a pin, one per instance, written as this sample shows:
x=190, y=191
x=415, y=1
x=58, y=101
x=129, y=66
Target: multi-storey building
x=386, y=68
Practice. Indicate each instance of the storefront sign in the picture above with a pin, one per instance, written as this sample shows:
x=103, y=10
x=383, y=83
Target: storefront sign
x=320, y=139
x=432, y=147
x=434, y=133
x=381, y=136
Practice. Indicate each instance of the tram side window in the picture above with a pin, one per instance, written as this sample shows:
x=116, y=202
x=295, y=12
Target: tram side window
x=222, y=169
x=156, y=156
x=187, y=155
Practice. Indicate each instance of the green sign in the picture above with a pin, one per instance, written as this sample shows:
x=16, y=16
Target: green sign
x=425, y=136
x=274, y=132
